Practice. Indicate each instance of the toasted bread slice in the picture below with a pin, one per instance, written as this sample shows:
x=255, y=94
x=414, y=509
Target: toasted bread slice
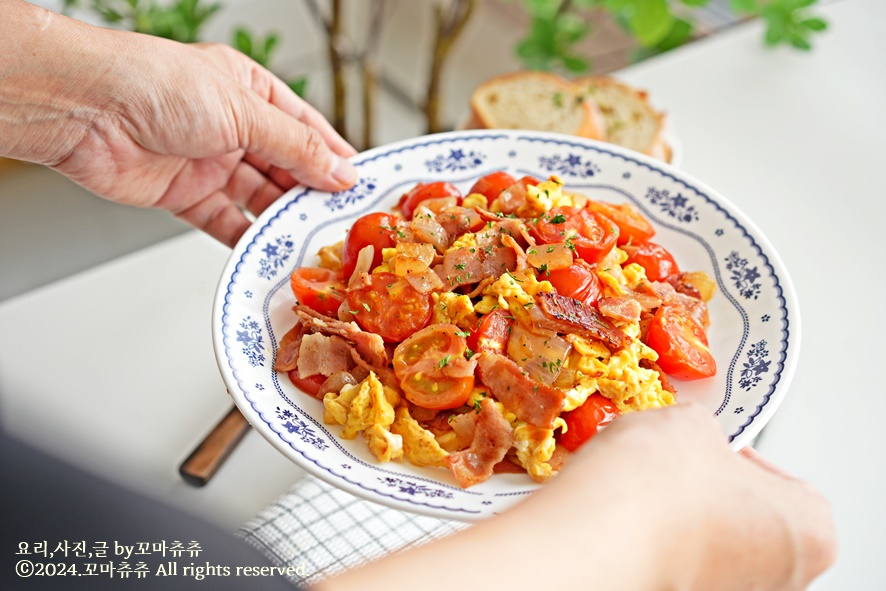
x=535, y=100
x=630, y=120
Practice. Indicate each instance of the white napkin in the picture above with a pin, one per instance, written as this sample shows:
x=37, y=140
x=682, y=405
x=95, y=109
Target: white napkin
x=320, y=530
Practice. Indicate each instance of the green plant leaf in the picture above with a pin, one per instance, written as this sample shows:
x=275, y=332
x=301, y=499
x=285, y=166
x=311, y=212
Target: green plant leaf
x=575, y=63
x=270, y=44
x=243, y=41
x=800, y=42
x=298, y=86
x=650, y=21
x=743, y=6
x=815, y=24
x=695, y=3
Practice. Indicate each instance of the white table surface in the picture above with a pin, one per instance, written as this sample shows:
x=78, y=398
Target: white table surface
x=91, y=366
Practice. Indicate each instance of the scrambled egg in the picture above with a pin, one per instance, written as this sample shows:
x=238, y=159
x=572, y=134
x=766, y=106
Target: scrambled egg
x=420, y=446
x=368, y=407
x=512, y=291
x=535, y=446
x=475, y=200
x=452, y=308
x=617, y=376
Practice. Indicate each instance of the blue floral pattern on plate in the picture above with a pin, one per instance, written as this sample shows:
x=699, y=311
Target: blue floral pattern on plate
x=753, y=316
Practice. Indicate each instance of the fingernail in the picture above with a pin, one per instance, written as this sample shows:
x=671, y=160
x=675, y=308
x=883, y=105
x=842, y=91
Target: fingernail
x=344, y=172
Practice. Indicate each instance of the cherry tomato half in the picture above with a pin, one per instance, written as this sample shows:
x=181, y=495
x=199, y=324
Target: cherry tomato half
x=421, y=362
x=492, y=332
x=320, y=290
x=681, y=344
x=310, y=384
x=578, y=282
x=377, y=229
x=655, y=259
x=389, y=306
x=492, y=185
x=587, y=420
x=409, y=202
x=632, y=226
x=592, y=234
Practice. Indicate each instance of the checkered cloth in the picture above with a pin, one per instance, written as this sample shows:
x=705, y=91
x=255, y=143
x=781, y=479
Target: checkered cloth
x=328, y=530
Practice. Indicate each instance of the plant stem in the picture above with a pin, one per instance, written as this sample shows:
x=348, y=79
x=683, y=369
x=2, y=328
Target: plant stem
x=369, y=71
x=449, y=25
x=336, y=62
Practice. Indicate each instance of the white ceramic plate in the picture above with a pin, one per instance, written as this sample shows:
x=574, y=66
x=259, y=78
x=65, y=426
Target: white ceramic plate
x=754, y=332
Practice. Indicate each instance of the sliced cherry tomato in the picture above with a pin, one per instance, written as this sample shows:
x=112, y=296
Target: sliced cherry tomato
x=587, y=420
x=409, y=201
x=681, y=344
x=592, y=234
x=389, y=306
x=578, y=282
x=492, y=332
x=320, y=290
x=423, y=364
x=492, y=185
x=516, y=193
x=377, y=229
x=657, y=261
x=632, y=226
x=310, y=384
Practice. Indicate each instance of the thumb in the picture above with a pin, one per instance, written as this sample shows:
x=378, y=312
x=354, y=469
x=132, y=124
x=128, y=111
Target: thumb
x=285, y=142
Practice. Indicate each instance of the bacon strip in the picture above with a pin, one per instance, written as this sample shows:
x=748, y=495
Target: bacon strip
x=566, y=315
x=493, y=437
x=286, y=358
x=531, y=401
x=620, y=309
x=370, y=345
x=323, y=355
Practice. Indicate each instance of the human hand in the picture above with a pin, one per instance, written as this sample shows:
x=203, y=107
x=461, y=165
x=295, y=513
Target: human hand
x=657, y=501
x=707, y=518
x=199, y=130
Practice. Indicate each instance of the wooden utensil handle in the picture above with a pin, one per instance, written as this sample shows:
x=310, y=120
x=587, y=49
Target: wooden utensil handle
x=204, y=461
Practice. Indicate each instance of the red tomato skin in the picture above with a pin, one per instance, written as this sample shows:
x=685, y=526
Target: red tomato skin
x=632, y=226
x=681, y=344
x=310, y=384
x=578, y=282
x=492, y=332
x=319, y=289
x=418, y=364
x=422, y=191
x=377, y=229
x=395, y=309
x=594, y=234
x=587, y=420
x=491, y=185
x=655, y=259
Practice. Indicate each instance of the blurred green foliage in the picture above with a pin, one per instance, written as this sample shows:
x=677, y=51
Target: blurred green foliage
x=558, y=26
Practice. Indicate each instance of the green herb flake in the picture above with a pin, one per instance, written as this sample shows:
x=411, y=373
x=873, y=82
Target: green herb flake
x=558, y=219
x=444, y=362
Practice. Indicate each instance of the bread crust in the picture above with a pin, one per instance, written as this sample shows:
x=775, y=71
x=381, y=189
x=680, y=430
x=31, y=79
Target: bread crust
x=658, y=147
x=592, y=124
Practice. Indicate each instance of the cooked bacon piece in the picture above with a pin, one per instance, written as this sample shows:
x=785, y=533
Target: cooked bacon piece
x=369, y=345
x=424, y=282
x=566, y=315
x=493, y=437
x=287, y=353
x=323, y=355
x=681, y=286
x=531, y=401
x=509, y=465
x=559, y=457
x=540, y=355
x=427, y=229
x=458, y=220
x=464, y=426
x=696, y=308
x=463, y=267
x=385, y=374
x=620, y=309
x=663, y=377
x=522, y=264
x=337, y=381
x=496, y=224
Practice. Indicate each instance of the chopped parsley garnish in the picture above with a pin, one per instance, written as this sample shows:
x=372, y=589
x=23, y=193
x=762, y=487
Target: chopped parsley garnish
x=558, y=219
x=444, y=362
x=366, y=306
